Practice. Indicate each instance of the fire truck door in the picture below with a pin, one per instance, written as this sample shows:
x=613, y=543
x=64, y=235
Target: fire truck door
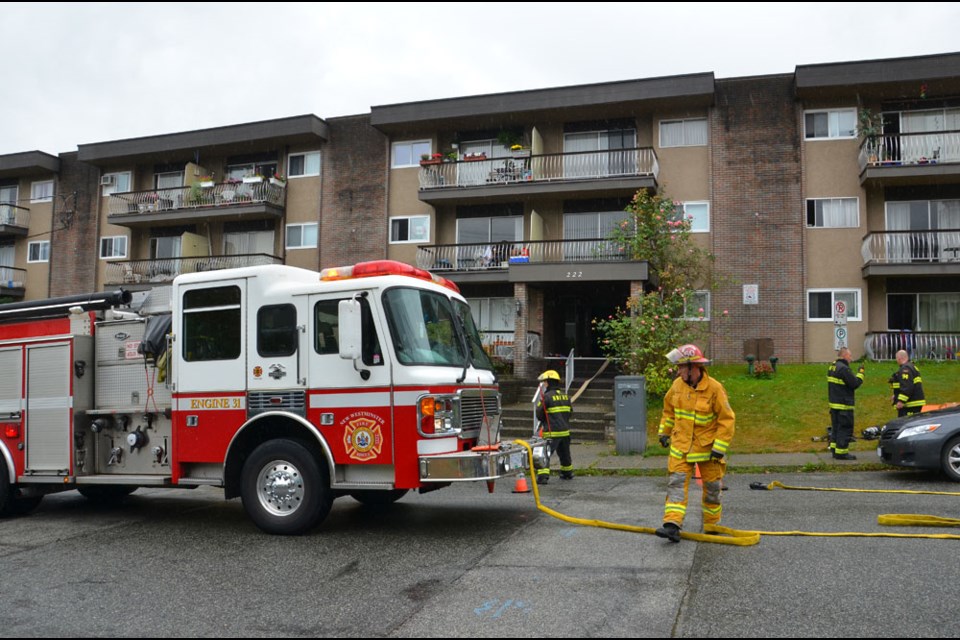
x=11, y=388
x=47, y=424
x=275, y=360
x=212, y=334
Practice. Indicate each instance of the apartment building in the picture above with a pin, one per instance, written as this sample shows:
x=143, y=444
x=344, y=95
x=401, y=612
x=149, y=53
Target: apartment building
x=837, y=183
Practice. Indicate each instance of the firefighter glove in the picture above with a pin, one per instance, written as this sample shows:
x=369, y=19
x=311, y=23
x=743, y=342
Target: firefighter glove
x=664, y=441
x=716, y=455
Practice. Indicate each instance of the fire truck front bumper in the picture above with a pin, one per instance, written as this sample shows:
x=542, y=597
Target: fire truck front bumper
x=506, y=460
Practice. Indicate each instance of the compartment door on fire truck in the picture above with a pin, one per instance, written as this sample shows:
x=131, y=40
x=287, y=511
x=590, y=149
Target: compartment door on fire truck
x=11, y=389
x=49, y=402
x=354, y=413
x=212, y=338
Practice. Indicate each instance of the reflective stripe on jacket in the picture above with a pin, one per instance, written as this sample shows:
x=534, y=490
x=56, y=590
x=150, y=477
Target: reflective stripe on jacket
x=697, y=420
x=841, y=383
x=910, y=386
x=554, y=412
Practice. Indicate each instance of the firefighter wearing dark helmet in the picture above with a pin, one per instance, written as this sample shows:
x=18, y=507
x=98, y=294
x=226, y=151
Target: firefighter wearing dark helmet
x=697, y=425
x=553, y=412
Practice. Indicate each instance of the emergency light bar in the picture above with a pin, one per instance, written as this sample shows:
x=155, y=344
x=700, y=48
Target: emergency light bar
x=384, y=268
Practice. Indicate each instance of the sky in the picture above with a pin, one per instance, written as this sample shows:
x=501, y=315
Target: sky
x=83, y=73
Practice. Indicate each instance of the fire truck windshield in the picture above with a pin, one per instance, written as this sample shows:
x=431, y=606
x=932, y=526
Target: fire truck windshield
x=427, y=329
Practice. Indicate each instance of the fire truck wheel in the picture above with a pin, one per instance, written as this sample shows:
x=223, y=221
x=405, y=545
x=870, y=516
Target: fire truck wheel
x=105, y=494
x=371, y=498
x=22, y=506
x=5, y=490
x=284, y=489
x=10, y=504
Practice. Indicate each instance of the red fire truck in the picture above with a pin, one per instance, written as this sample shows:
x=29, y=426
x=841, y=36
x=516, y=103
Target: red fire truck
x=285, y=387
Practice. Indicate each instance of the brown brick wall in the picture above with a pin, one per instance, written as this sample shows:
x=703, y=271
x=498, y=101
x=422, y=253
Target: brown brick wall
x=353, y=211
x=756, y=215
x=73, y=239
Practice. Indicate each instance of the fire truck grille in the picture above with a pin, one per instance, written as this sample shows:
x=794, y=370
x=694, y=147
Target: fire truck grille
x=263, y=401
x=472, y=409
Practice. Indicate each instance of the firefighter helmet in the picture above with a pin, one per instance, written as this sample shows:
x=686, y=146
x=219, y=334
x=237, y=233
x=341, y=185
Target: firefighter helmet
x=687, y=354
x=549, y=374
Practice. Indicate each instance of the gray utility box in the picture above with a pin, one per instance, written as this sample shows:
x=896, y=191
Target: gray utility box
x=630, y=398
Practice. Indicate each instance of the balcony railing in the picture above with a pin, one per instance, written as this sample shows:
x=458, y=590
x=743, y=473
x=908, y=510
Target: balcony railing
x=499, y=255
x=161, y=270
x=899, y=247
x=14, y=216
x=223, y=194
x=554, y=167
x=921, y=345
x=12, y=277
x=898, y=149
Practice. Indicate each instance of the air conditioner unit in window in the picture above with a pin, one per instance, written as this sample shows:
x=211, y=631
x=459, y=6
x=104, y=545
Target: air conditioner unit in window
x=108, y=180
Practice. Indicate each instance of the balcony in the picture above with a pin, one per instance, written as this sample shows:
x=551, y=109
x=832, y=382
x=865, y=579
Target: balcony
x=524, y=261
x=164, y=270
x=911, y=253
x=252, y=200
x=618, y=171
x=883, y=345
x=13, y=282
x=14, y=220
x=910, y=158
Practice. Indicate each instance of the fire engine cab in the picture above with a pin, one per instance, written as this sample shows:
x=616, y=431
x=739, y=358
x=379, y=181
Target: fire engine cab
x=286, y=387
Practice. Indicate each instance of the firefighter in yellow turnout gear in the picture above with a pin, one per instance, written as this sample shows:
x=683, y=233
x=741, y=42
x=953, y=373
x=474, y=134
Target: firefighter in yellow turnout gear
x=553, y=412
x=697, y=424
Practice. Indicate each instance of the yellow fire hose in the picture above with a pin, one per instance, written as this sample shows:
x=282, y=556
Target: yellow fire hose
x=743, y=538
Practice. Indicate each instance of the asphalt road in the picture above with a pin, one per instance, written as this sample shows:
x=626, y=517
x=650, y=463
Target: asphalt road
x=462, y=563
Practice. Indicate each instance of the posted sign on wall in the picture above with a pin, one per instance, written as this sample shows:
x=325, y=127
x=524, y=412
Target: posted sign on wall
x=839, y=325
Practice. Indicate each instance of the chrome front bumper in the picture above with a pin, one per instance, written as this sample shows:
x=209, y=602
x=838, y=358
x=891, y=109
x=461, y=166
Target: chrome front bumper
x=508, y=460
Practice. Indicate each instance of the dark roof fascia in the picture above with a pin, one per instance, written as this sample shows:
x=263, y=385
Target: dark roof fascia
x=306, y=125
x=918, y=69
x=28, y=162
x=592, y=95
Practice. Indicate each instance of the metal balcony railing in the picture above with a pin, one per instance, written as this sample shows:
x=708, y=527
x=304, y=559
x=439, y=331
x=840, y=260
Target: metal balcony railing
x=553, y=167
x=223, y=194
x=883, y=345
x=160, y=270
x=896, y=247
x=499, y=255
x=13, y=277
x=14, y=215
x=897, y=149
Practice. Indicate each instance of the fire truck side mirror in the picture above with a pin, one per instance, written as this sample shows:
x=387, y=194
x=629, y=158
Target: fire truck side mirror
x=350, y=329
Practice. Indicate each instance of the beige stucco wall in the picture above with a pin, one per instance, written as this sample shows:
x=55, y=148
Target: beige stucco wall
x=37, y=279
x=403, y=200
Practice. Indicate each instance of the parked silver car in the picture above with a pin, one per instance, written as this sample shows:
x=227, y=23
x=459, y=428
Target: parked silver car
x=929, y=440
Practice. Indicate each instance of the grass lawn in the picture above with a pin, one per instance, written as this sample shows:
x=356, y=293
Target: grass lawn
x=783, y=413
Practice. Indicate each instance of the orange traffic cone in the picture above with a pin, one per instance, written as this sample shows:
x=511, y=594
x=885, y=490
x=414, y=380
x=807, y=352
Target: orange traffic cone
x=696, y=475
x=520, y=486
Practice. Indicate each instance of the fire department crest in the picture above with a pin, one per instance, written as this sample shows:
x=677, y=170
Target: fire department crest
x=363, y=438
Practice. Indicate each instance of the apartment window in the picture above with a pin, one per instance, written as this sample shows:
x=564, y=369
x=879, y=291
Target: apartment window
x=696, y=306
x=830, y=123
x=697, y=214
x=407, y=153
x=239, y=171
x=169, y=180
x=822, y=302
x=833, y=213
x=300, y=165
x=409, y=229
x=41, y=191
x=924, y=312
x=38, y=251
x=302, y=236
x=615, y=153
x=113, y=247
x=683, y=133
x=120, y=183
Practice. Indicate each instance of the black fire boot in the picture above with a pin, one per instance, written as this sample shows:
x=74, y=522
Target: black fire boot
x=669, y=531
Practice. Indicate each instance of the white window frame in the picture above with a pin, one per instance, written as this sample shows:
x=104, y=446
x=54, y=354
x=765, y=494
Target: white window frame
x=806, y=213
x=683, y=123
x=302, y=226
x=110, y=189
x=832, y=114
x=693, y=228
x=44, y=250
x=833, y=301
x=696, y=317
x=304, y=155
x=34, y=186
x=114, y=242
x=408, y=240
x=413, y=151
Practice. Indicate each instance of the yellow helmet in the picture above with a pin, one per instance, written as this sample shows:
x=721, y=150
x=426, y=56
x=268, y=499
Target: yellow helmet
x=549, y=374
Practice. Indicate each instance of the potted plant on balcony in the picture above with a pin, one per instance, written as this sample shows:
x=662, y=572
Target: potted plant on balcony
x=473, y=157
x=869, y=129
x=430, y=158
x=206, y=181
x=278, y=179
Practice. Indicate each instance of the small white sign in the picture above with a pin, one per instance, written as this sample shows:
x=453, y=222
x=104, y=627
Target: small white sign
x=839, y=338
x=751, y=294
x=130, y=350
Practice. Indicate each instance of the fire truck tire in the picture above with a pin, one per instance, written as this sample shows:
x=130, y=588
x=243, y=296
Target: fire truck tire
x=371, y=498
x=105, y=494
x=22, y=506
x=285, y=491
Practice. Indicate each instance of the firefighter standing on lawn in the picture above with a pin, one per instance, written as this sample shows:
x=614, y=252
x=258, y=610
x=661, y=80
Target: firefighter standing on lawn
x=907, y=387
x=553, y=412
x=697, y=424
x=841, y=385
